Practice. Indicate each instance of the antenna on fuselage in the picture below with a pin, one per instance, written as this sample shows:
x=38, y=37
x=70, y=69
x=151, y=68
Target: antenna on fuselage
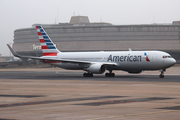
x=130, y=49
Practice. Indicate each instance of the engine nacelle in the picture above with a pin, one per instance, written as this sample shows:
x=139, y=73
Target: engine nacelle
x=134, y=71
x=97, y=68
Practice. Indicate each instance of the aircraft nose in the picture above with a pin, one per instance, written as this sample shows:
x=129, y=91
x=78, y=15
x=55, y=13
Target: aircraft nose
x=172, y=61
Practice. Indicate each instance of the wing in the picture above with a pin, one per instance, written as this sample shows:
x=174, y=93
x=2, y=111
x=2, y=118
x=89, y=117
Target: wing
x=60, y=60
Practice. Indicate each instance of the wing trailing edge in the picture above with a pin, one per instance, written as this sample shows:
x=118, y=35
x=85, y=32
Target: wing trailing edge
x=60, y=60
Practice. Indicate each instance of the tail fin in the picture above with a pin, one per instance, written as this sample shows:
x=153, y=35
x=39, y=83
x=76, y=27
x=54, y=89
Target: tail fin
x=48, y=47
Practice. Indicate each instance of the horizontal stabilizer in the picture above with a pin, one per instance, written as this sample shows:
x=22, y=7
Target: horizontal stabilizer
x=12, y=51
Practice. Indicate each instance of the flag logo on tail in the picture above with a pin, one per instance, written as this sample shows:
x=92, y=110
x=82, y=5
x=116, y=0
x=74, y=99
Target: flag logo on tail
x=48, y=47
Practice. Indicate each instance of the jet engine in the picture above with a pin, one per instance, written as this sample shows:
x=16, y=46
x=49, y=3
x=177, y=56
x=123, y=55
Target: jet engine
x=97, y=68
x=134, y=71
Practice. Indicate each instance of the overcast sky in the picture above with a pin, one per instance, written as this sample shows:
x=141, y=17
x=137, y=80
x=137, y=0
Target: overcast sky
x=15, y=14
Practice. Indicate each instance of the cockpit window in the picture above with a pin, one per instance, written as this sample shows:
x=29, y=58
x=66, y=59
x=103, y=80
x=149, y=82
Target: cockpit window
x=165, y=56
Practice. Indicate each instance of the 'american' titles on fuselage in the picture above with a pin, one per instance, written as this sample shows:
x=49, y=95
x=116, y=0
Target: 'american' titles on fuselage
x=126, y=58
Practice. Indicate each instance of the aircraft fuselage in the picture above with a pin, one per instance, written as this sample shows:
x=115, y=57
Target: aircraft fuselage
x=126, y=60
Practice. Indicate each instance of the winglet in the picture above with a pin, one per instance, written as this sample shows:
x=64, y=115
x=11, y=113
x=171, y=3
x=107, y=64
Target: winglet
x=12, y=51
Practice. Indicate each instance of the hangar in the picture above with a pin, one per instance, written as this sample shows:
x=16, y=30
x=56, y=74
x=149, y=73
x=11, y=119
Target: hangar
x=81, y=35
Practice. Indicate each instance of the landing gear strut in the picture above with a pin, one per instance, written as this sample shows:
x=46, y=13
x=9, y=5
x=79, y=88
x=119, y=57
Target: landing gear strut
x=110, y=74
x=162, y=73
x=88, y=75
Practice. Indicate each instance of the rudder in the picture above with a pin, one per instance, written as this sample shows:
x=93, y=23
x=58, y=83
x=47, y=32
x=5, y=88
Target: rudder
x=47, y=46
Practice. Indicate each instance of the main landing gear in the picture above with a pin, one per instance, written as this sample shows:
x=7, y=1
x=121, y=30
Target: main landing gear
x=88, y=75
x=110, y=74
x=162, y=73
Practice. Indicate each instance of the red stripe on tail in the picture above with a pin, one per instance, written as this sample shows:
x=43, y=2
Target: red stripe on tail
x=41, y=40
x=44, y=47
x=39, y=33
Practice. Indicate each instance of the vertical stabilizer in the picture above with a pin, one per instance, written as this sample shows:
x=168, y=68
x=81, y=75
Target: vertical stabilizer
x=48, y=47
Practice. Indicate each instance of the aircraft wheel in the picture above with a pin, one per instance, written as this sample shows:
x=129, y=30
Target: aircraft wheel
x=85, y=75
x=88, y=75
x=112, y=74
x=161, y=76
x=109, y=74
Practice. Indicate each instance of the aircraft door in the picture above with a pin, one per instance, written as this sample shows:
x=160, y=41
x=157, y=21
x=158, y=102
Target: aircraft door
x=152, y=58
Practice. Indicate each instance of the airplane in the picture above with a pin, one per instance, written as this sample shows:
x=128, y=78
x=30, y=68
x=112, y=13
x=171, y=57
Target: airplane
x=98, y=62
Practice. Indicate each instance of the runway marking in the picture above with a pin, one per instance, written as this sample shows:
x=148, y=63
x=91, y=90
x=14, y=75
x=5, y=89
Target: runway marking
x=138, y=114
x=124, y=101
x=23, y=96
x=58, y=101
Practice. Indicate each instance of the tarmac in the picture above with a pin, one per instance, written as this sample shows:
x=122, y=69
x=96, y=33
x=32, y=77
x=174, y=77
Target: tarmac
x=58, y=94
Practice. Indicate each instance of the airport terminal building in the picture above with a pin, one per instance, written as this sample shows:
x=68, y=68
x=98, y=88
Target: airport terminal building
x=81, y=35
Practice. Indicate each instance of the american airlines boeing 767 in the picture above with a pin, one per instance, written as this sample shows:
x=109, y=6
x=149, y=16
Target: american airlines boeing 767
x=99, y=62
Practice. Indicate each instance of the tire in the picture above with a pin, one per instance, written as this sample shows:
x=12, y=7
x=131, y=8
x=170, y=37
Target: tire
x=88, y=75
x=161, y=76
x=91, y=75
x=107, y=74
x=112, y=74
x=85, y=75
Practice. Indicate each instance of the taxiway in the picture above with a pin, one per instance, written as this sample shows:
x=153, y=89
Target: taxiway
x=46, y=94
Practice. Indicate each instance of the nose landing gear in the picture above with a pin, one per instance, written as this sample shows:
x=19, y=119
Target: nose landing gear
x=162, y=73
